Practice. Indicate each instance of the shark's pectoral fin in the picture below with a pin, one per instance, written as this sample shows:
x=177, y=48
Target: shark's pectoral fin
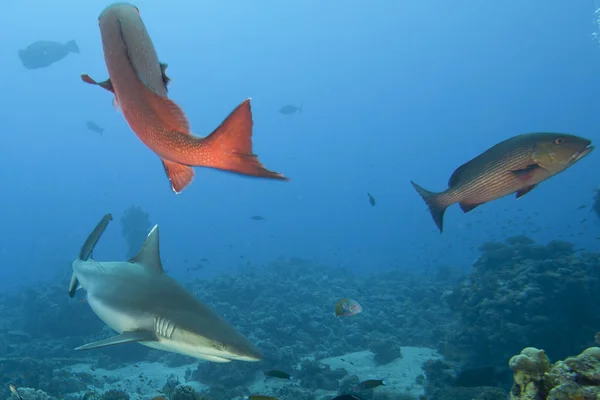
x=125, y=337
x=214, y=358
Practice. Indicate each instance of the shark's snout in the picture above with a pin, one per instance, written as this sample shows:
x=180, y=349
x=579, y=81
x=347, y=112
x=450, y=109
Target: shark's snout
x=248, y=353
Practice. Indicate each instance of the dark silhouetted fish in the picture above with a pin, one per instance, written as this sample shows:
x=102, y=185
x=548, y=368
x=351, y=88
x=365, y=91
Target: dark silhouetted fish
x=257, y=218
x=92, y=126
x=371, y=200
x=139, y=83
x=515, y=165
x=290, y=109
x=274, y=373
x=44, y=53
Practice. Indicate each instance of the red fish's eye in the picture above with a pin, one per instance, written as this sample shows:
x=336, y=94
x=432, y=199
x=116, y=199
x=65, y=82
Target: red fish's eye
x=559, y=140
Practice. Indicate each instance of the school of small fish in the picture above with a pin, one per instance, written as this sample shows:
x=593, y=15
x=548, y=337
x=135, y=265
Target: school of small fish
x=139, y=83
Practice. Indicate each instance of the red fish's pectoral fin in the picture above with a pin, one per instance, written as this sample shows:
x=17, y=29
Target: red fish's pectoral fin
x=107, y=84
x=168, y=112
x=180, y=175
x=229, y=147
x=115, y=103
x=525, y=190
x=526, y=173
x=468, y=207
x=165, y=78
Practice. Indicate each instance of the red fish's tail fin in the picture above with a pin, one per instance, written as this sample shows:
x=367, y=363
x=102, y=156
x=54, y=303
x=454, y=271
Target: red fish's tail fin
x=435, y=205
x=229, y=147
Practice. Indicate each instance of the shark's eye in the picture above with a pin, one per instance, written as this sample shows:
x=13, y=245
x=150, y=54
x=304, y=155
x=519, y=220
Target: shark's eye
x=137, y=9
x=559, y=140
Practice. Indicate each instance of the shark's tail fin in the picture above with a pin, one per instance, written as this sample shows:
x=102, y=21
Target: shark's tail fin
x=87, y=249
x=90, y=242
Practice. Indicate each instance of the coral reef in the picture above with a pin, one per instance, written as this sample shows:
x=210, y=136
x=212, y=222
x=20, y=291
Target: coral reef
x=185, y=392
x=135, y=225
x=574, y=378
x=520, y=293
x=114, y=394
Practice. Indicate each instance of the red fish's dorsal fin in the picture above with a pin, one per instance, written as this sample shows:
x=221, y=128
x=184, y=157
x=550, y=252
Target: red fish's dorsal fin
x=180, y=175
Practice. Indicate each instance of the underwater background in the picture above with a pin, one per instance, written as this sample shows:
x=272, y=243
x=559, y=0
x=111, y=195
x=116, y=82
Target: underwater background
x=382, y=93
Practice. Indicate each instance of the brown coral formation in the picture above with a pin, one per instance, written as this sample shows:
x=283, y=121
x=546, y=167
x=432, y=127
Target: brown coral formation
x=575, y=378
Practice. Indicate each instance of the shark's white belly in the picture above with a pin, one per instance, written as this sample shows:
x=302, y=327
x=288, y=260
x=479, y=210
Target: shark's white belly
x=118, y=320
x=123, y=322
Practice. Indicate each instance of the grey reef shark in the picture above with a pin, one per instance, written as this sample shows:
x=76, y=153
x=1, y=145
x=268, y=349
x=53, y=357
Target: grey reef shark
x=143, y=304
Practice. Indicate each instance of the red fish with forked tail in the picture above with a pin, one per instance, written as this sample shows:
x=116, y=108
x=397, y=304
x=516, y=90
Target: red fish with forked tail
x=139, y=83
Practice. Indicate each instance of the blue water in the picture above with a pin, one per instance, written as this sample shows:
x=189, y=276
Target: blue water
x=391, y=91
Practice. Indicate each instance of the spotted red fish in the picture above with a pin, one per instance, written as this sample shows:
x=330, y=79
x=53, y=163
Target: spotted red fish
x=139, y=83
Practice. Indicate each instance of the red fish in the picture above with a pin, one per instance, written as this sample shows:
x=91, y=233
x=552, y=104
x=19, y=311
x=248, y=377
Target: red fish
x=139, y=83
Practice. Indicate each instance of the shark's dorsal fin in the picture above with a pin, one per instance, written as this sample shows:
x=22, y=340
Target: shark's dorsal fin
x=149, y=254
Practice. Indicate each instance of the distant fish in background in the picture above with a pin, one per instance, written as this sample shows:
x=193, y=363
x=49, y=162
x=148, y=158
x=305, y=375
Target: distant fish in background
x=257, y=218
x=42, y=54
x=274, y=373
x=290, y=109
x=347, y=308
x=516, y=165
x=92, y=126
x=14, y=390
x=368, y=385
x=371, y=200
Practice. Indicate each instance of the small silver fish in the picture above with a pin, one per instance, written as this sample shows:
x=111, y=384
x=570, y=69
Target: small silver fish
x=15, y=391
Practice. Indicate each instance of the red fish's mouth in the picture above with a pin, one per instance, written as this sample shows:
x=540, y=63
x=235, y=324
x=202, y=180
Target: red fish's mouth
x=584, y=152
